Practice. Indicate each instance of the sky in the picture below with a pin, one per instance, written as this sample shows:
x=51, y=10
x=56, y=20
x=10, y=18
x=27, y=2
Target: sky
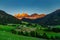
x=29, y=6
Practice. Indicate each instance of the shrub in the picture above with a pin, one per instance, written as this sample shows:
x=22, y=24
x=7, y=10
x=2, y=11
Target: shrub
x=13, y=31
x=22, y=33
x=45, y=36
x=56, y=37
x=32, y=33
x=38, y=35
x=56, y=29
x=19, y=33
x=26, y=33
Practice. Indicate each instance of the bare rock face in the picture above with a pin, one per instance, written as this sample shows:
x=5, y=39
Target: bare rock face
x=33, y=16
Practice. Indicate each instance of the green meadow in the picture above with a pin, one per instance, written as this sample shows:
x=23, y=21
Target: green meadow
x=6, y=33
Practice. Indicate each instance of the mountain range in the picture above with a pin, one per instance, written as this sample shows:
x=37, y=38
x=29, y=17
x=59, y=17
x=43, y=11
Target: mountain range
x=49, y=19
x=32, y=17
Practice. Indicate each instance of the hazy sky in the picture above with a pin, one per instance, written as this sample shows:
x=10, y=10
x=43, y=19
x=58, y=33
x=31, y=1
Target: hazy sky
x=29, y=6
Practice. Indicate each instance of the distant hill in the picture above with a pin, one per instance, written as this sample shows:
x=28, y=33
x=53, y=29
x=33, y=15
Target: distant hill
x=7, y=18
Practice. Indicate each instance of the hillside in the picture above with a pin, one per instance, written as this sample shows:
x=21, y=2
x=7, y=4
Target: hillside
x=52, y=18
x=7, y=18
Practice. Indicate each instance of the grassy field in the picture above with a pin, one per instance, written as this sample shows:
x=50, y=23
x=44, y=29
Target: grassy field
x=9, y=36
x=6, y=28
x=5, y=33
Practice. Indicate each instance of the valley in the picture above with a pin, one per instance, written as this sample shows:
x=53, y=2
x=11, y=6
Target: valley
x=31, y=32
x=12, y=28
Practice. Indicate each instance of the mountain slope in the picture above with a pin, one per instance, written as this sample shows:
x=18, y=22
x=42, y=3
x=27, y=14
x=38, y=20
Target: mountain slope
x=7, y=19
x=51, y=19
